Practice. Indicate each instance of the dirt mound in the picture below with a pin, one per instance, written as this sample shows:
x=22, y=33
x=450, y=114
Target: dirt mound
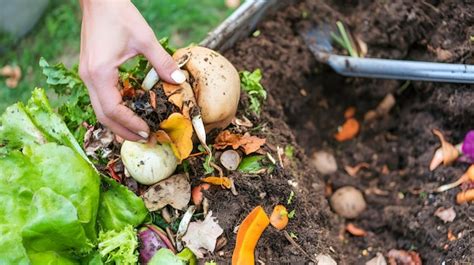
x=306, y=105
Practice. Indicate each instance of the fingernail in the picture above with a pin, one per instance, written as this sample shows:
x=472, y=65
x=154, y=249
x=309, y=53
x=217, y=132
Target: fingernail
x=143, y=134
x=142, y=141
x=178, y=76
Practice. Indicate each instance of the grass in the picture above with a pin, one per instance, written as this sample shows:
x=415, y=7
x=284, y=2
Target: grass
x=56, y=37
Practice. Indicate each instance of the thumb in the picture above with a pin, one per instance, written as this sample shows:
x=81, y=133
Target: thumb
x=164, y=65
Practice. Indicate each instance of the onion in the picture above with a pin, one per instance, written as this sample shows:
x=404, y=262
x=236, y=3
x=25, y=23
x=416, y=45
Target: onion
x=148, y=163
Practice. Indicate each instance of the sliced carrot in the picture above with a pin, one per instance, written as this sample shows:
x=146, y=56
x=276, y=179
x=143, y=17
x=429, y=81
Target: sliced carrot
x=349, y=130
x=222, y=181
x=279, y=217
x=354, y=230
x=465, y=196
x=248, y=235
x=197, y=195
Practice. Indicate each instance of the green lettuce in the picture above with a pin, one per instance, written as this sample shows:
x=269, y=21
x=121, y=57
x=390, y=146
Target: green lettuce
x=50, y=191
x=119, y=247
x=250, y=83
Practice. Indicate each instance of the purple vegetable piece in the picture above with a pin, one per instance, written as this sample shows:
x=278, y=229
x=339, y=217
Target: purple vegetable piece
x=468, y=146
x=150, y=243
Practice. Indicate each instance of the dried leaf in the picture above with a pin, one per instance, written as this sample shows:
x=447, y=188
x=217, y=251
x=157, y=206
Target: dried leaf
x=153, y=99
x=354, y=230
x=174, y=191
x=201, y=236
x=98, y=139
x=403, y=257
x=182, y=96
x=445, y=214
x=352, y=171
x=348, y=130
x=221, y=181
x=248, y=143
x=179, y=132
x=128, y=90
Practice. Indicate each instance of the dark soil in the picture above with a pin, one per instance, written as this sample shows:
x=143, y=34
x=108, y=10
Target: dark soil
x=306, y=105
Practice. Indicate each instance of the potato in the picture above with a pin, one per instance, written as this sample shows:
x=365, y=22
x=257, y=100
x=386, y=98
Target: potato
x=215, y=83
x=348, y=202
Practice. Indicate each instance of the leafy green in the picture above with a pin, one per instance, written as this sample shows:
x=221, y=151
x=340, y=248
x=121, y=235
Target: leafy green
x=292, y=214
x=119, y=207
x=187, y=256
x=165, y=256
x=50, y=192
x=289, y=151
x=119, y=247
x=251, y=164
x=75, y=105
x=208, y=169
x=250, y=83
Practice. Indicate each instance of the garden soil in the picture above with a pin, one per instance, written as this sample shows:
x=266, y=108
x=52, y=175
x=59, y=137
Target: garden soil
x=306, y=105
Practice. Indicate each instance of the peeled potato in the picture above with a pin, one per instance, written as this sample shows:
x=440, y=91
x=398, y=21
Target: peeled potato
x=215, y=83
x=348, y=202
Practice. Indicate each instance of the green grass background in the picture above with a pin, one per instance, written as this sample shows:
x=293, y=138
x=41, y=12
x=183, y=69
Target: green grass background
x=57, y=35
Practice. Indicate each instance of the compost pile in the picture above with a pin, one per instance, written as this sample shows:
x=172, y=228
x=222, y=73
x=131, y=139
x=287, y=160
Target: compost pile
x=388, y=160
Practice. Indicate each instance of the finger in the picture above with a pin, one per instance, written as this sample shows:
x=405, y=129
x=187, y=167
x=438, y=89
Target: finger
x=162, y=62
x=118, y=129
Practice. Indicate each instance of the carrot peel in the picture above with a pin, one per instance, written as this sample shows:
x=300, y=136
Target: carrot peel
x=279, y=217
x=349, y=130
x=248, y=235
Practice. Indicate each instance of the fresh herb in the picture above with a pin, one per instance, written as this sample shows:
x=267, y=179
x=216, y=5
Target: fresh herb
x=75, y=106
x=344, y=40
x=293, y=235
x=250, y=83
x=291, y=197
x=119, y=247
x=289, y=151
x=291, y=214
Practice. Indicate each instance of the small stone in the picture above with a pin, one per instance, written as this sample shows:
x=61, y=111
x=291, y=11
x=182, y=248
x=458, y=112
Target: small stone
x=348, y=202
x=324, y=162
x=379, y=259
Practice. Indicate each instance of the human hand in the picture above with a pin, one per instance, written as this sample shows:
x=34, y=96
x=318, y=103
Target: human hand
x=113, y=31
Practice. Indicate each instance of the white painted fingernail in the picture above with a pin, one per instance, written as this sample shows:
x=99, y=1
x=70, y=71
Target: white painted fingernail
x=143, y=134
x=142, y=141
x=178, y=76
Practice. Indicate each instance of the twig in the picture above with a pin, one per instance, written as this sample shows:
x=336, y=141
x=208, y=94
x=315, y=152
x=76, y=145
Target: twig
x=296, y=245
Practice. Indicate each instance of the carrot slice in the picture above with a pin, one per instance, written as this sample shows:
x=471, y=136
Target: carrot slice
x=465, y=196
x=349, y=130
x=248, y=235
x=279, y=217
x=222, y=181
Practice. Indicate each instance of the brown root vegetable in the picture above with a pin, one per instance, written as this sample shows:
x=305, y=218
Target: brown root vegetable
x=348, y=202
x=215, y=83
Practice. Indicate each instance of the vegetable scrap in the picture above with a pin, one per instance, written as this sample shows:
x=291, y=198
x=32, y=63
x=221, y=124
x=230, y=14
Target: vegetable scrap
x=177, y=130
x=348, y=202
x=403, y=257
x=446, y=154
x=279, y=217
x=468, y=176
x=355, y=231
x=248, y=235
x=352, y=171
x=174, y=191
x=220, y=181
x=465, y=196
x=197, y=194
x=348, y=130
x=248, y=143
